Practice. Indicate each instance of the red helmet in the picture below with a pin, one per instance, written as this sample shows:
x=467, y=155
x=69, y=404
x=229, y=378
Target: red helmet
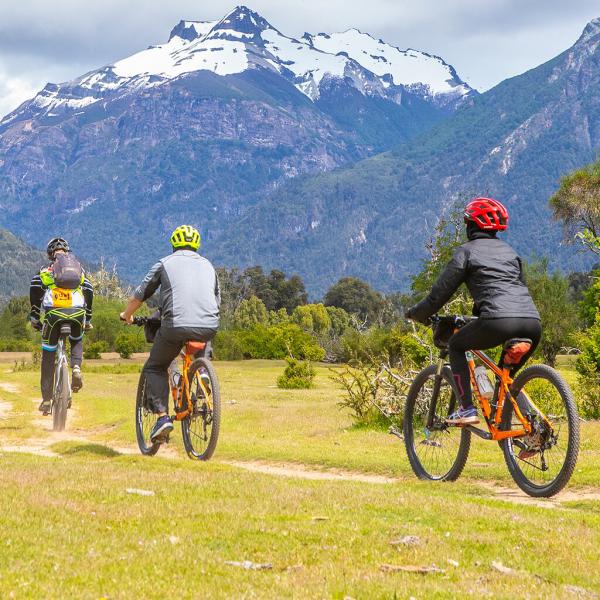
x=487, y=214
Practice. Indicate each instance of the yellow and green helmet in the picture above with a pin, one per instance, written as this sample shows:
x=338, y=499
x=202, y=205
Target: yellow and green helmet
x=185, y=236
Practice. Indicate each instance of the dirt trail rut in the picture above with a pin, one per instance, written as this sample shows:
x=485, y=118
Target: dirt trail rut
x=308, y=472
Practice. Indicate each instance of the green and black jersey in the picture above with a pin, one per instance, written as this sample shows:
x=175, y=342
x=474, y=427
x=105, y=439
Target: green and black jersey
x=45, y=296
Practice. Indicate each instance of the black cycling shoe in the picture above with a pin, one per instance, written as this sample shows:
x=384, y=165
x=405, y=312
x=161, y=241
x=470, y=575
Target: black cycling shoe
x=45, y=407
x=161, y=430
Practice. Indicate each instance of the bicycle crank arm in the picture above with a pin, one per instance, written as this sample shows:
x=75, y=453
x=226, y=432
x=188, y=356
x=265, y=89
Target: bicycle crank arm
x=484, y=435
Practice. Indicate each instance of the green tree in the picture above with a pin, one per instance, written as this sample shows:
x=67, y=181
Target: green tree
x=279, y=341
x=14, y=319
x=250, y=312
x=448, y=234
x=577, y=205
x=550, y=292
x=277, y=317
x=107, y=325
x=298, y=375
x=340, y=320
x=130, y=341
x=590, y=302
x=356, y=297
x=588, y=371
x=107, y=284
x=275, y=290
x=312, y=317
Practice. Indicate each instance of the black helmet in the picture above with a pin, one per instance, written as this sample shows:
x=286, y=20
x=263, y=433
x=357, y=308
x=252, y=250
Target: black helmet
x=56, y=244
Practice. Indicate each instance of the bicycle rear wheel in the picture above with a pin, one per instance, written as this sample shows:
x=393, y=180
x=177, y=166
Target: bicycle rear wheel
x=62, y=391
x=144, y=420
x=542, y=462
x=439, y=452
x=200, y=430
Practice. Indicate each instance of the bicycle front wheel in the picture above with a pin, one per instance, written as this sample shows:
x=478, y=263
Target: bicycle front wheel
x=435, y=451
x=144, y=420
x=200, y=429
x=62, y=391
x=542, y=462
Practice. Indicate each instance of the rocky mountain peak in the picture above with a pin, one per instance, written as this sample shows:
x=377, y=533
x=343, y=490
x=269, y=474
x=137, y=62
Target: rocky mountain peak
x=191, y=30
x=241, y=20
x=591, y=31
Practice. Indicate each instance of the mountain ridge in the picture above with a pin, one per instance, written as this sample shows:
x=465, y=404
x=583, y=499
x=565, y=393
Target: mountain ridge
x=243, y=39
x=513, y=142
x=172, y=133
x=301, y=169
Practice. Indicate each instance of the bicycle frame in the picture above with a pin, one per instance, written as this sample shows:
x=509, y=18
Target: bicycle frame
x=181, y=412
x=500, y=395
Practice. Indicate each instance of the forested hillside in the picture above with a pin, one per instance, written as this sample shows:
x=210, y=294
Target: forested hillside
x=373, y=218
x=18, y=264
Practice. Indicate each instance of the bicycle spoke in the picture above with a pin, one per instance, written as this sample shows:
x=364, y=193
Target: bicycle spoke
x=436, y=449
x=548, y=443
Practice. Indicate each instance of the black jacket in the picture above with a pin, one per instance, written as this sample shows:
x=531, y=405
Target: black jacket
x=493, y=274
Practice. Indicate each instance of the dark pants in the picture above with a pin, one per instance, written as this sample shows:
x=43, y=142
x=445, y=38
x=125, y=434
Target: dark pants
x=50, y=334
x=167, y=345
x=482, y=334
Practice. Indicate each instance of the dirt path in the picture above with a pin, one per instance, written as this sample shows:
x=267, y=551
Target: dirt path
x=5, y=409
x=42, y=446
x=11, y=388
x=508, y=494
x=518, y=497
x=308, y=472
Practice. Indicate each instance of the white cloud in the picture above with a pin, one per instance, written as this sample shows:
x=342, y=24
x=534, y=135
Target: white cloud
x=486, y=42
x=14, y=91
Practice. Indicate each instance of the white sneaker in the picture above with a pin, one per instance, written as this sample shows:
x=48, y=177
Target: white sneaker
x=77, y=379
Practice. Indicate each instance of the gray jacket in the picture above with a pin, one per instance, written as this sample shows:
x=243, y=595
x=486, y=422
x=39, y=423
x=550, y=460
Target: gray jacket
x=189, y=290
x=492, y=272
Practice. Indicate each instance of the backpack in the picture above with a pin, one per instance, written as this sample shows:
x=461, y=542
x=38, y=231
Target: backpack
x=67, y=271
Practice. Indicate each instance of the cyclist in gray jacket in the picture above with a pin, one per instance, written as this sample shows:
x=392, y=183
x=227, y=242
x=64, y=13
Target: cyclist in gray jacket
x=189, y=307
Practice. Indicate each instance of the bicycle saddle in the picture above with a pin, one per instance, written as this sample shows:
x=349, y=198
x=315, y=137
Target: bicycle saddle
x=193, y=347
x=65, y=329
x=515, y=349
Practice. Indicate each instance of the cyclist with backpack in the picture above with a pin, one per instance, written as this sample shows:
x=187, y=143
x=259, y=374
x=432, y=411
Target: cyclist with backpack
x=63, y=293
x=189, y=308
x=493, y=274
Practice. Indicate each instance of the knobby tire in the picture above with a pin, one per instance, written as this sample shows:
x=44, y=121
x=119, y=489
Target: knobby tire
x=457, y=440
x=194, y=440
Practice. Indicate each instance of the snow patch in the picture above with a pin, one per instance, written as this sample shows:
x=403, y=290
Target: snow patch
x=82, y=205
x=405, y=67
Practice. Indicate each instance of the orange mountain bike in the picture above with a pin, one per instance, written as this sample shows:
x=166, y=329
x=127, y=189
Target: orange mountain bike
x=533, y=418
x=196, y=402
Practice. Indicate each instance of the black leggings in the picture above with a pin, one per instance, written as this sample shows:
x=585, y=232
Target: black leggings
x=482, y=334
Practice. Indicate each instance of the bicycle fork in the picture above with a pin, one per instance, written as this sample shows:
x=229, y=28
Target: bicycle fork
x=437, y=384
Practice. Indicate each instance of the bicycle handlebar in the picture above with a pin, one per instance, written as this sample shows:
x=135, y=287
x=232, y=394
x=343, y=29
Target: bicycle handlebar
x=457, y=320
x=141, y=321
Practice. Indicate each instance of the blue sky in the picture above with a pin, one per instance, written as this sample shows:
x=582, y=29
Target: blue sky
x=485, y=40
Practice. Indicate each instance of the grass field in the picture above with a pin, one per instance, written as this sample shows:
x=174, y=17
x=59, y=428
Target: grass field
x=71, y=529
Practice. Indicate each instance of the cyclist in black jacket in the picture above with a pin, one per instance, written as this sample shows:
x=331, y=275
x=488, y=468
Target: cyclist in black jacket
x=493, y=274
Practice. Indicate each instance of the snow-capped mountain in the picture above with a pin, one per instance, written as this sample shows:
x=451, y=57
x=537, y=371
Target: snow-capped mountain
x=418, y=71
x=203, y=127
x=242, y=41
